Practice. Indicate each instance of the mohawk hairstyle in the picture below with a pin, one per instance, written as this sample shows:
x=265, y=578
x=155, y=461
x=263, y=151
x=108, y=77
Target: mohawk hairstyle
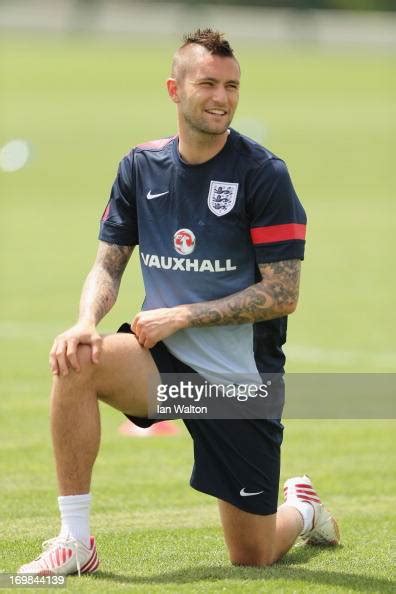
x=212, y=40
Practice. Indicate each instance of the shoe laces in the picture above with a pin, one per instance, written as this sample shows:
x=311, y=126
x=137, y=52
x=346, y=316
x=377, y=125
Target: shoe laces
x=67, y=543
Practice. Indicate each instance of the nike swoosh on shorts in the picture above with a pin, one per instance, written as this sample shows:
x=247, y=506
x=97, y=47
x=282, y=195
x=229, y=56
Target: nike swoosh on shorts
x=244, y=493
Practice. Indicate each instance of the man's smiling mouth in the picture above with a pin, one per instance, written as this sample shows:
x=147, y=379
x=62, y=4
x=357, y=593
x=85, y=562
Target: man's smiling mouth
x=218, y=112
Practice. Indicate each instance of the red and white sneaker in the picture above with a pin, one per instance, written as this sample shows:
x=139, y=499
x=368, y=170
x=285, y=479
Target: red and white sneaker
x=64, y=556
x=324, y=530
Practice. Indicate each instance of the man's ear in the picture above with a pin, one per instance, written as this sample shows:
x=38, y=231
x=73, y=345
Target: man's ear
x=173, y=91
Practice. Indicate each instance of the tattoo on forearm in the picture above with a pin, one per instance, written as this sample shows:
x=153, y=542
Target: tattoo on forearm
x=274, y=296
x=101, y=286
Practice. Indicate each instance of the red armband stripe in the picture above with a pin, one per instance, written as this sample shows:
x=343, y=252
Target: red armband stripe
x=274, y=233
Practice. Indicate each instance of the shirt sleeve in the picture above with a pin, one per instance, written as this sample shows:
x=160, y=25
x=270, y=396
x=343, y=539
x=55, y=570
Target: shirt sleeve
x=277, y=217
x=119, y=220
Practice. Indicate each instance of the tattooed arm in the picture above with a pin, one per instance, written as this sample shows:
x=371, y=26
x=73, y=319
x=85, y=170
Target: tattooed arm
x=101, y=286
x=274, y=296
x=98, y=296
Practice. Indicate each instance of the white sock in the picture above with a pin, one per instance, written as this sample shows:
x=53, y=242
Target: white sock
x=74, y=511
x=306, y=511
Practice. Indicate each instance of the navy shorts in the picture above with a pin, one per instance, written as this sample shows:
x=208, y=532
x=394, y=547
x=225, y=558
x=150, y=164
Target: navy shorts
x=237, y=461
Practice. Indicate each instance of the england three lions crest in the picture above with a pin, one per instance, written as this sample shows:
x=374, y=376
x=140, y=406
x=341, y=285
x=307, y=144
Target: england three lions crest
x=222, y=197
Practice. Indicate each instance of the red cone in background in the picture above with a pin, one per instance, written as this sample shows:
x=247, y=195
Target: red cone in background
x=162, y=428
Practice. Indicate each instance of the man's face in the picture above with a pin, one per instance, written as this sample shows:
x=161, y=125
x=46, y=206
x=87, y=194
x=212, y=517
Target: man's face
x=208, y=93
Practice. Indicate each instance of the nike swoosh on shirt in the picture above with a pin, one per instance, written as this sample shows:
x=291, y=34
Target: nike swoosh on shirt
x=150, y=196
x=244, y=493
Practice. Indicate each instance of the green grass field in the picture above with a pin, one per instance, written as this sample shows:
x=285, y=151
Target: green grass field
x=82, y=105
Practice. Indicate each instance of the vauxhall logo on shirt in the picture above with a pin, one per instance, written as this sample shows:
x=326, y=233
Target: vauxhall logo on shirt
x=184, y=243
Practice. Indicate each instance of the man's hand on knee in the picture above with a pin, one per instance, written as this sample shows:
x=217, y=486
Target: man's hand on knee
x=64, y=353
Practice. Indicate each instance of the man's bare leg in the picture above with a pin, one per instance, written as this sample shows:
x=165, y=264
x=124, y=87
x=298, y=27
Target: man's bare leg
x=259, y=540
x=75, y=427
x=120, y=379
x=262, y=540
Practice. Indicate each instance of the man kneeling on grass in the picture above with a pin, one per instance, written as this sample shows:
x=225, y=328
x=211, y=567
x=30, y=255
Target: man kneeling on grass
x=221, y=236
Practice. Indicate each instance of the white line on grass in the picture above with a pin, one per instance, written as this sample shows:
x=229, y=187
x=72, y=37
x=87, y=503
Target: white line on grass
x=316, y=354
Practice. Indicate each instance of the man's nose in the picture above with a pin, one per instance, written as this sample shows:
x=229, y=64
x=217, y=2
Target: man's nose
x=220, y=95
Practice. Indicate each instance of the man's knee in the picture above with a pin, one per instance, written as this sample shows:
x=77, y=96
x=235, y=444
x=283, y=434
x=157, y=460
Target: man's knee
x=86, y=368
x=250, y=538
x=84, y=356
x=252, y=557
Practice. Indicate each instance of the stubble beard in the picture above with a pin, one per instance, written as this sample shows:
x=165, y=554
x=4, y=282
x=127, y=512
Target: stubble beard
x=202, y=127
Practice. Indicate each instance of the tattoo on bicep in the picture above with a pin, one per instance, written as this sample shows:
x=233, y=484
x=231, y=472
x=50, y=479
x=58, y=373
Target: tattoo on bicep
x=113, y=258
x=282, y=280
x=102, y=283
x=274, y=296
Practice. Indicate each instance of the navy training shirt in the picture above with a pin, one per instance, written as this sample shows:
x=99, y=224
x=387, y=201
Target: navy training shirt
x=202, y=230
